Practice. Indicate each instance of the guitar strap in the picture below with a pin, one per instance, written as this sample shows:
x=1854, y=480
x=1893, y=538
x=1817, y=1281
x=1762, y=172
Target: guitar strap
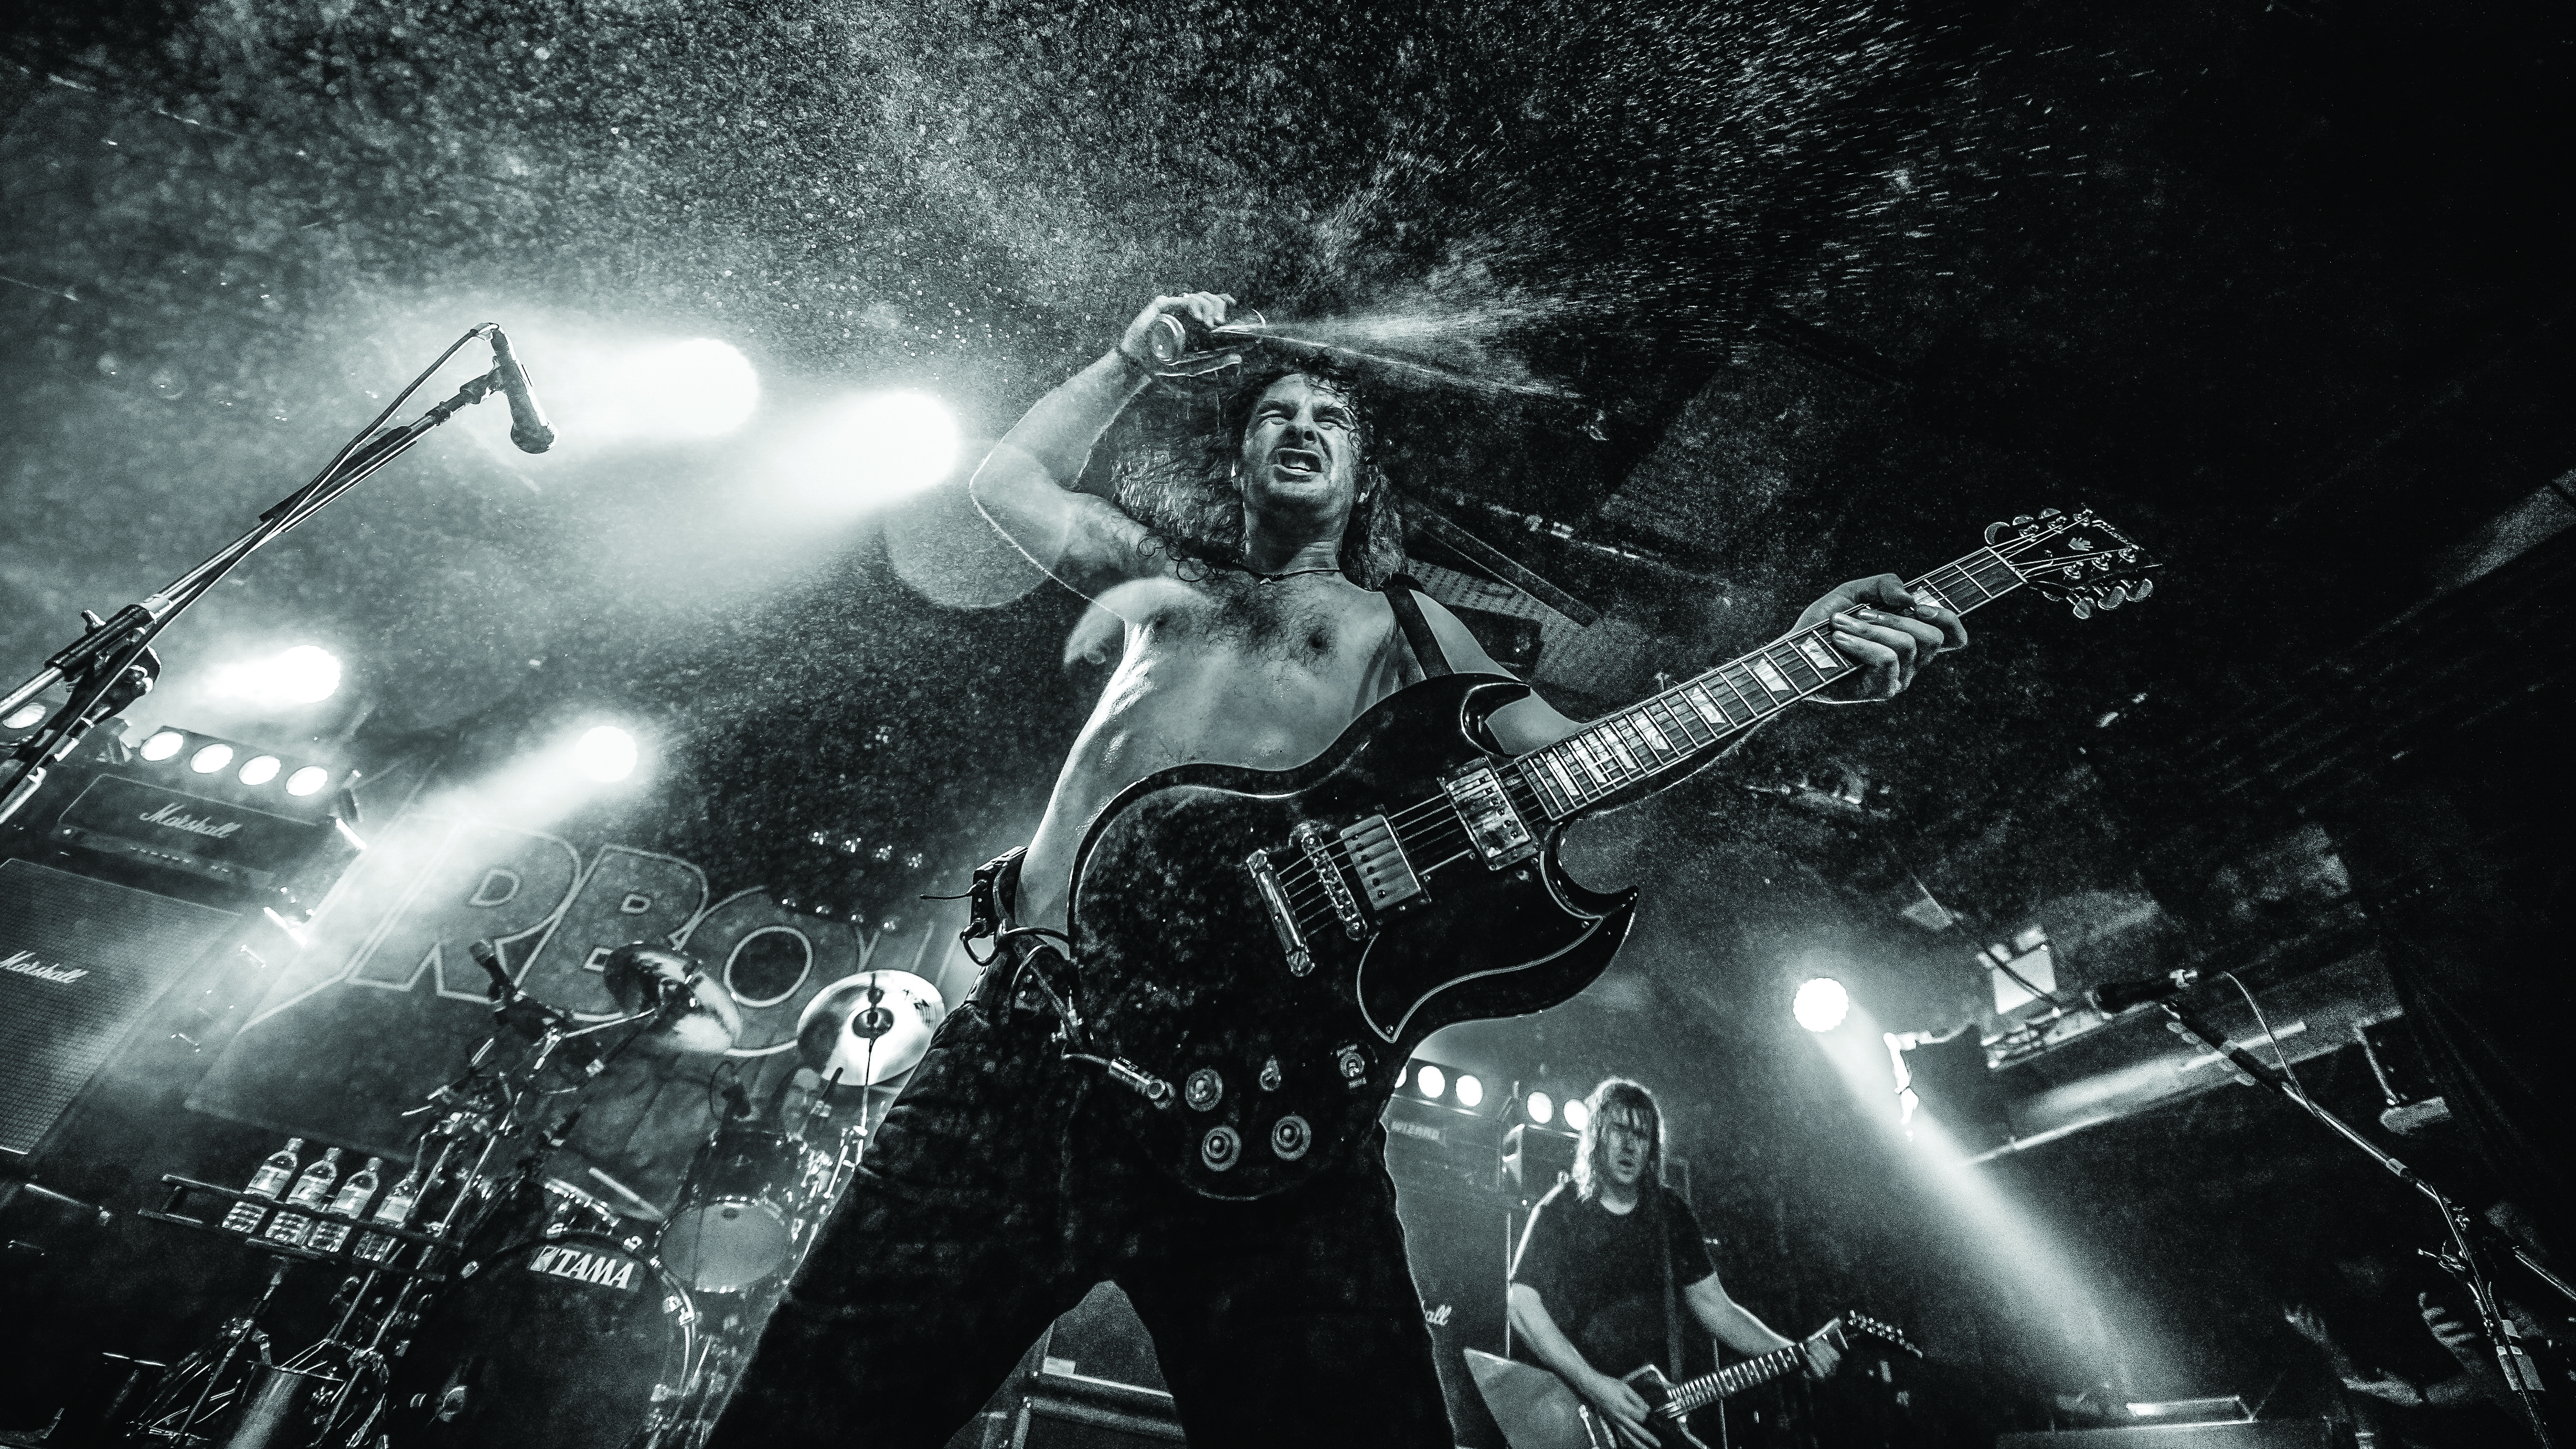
x=1672, y=1295
x=1417, y=629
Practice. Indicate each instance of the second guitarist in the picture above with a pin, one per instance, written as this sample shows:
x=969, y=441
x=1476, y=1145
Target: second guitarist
x=1611, y=1259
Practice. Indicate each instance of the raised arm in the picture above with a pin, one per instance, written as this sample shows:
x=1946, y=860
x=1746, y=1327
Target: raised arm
x=1025, y=486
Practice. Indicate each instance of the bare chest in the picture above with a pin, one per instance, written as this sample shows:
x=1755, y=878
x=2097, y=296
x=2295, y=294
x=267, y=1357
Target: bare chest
x=1256, y=674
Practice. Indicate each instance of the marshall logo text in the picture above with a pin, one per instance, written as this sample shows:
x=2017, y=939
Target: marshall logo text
x=558, y=1261
x=26, y=964
x=172, y=817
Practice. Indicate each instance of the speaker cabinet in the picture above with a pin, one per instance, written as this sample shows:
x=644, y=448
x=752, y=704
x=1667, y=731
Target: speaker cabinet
x=1064, y=1424
x=81, y=961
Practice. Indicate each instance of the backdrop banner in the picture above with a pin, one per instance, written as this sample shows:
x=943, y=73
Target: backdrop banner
x=383, y=1003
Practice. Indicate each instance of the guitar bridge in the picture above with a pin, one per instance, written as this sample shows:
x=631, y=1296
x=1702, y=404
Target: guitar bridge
x=1283, y=921
x=1494, y=828
x=1317, y=842
x=1378, y=856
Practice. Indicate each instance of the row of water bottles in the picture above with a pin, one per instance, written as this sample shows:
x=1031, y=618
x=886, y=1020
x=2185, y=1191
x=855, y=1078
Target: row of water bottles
x=326, y=1217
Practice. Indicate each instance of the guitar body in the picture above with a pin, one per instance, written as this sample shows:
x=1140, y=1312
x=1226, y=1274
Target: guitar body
x=1273, y=1073
x=1536, y=1410
x=1257, y=952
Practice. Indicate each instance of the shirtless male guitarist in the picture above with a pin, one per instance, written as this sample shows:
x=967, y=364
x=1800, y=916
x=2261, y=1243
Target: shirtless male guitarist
x=999, y=1188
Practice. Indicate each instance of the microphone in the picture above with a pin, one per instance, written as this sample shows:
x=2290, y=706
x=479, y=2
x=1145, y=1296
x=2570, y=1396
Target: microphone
x=490, y=960
x=528, y=426
x=2113, y=997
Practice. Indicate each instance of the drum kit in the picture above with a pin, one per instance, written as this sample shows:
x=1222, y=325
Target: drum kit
x=567, y=1318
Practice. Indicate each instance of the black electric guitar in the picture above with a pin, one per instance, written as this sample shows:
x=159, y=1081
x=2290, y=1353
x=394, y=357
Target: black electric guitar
x=1538, y=1411
x=1261, y=950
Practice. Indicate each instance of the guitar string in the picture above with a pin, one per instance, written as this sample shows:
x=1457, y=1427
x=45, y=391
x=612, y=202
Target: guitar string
x=1313, y=889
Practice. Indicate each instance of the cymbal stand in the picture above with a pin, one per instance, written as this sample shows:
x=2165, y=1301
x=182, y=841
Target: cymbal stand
x=211, y=1374
x=2466, y=1259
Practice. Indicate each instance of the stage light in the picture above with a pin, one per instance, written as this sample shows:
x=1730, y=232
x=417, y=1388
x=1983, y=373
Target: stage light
x=1821, y=1004
x=1431, y=1080
x=307, y=780
x=23, y=716
x=1542, y=1109
x=1578, y=1114
x=163, y=745
x=260, y=770
x=896, y=444
x=1471, y=1093
x=605, y=754
x=305, y=674
x=210, y=759
x=701, y=388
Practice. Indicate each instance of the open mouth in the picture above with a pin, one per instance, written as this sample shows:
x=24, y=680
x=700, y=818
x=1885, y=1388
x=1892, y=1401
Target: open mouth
x=1301, y=461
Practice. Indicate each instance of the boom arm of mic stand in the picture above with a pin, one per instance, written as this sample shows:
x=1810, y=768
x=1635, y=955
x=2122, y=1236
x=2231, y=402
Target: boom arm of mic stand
x=107, y=652
x=2510, y=1359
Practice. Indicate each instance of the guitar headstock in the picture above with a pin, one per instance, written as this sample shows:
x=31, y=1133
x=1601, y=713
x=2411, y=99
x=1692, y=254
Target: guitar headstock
x=1855, y=1322
x=2075, y=558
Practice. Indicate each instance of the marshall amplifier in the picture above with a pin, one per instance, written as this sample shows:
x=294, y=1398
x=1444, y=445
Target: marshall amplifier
x=196, y=804
x=81, y=961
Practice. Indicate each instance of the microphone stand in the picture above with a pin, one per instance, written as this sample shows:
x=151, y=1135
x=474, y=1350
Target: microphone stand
x=2467, y=1259
x=112, y=663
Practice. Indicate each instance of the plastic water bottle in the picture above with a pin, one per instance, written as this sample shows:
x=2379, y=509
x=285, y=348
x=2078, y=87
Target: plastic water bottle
x=273, y=1175
x=347, y=1206
x=268, y=1181
x=393, y=1212
x=311, y=1187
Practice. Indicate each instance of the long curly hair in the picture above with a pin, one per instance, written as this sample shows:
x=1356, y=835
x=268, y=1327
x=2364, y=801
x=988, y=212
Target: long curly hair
x=1180, y=483
x=1625, y=1100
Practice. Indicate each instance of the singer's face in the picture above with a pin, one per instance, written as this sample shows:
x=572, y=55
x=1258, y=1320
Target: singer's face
x=1300, y=455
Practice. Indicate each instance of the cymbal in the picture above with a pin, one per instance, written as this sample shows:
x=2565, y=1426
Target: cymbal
x=694, y=1015
x=869, y=1027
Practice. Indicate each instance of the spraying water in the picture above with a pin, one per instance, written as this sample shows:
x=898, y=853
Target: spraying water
x=1466, y=340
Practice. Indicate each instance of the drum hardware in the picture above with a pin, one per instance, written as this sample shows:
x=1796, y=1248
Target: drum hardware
x=691, y=1013
x=335, y=1390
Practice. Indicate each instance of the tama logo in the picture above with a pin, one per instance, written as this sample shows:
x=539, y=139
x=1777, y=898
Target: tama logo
x=172, y=817
x=600, y=1268
x=26, y=964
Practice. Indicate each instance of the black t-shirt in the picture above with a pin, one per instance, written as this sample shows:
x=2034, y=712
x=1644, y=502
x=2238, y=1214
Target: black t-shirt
x=1600, y=1274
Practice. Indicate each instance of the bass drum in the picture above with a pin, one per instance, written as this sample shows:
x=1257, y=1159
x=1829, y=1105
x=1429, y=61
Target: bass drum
x=735, y=1224
x=574, y=1342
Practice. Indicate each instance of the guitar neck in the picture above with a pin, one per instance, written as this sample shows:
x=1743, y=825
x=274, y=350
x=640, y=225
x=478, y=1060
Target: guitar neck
x=1734, y=1379
x=1662, y=739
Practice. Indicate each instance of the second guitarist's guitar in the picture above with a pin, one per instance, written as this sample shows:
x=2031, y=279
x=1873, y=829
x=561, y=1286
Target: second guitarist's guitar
x=1538, y=1411
x=1259, y=950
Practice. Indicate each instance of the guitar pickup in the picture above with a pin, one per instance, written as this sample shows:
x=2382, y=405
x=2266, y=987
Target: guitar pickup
x=1500, y=837
x=1386, y=877
x=1283, y=921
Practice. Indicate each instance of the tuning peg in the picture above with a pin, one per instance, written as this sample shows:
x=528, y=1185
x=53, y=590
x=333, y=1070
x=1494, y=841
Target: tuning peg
x=2022, y=520
x=2142, y=588
x=2048, y=513
x=2114, y=596
x=2083, y=608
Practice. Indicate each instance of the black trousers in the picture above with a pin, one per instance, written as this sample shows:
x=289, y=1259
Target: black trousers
x=998, y=1191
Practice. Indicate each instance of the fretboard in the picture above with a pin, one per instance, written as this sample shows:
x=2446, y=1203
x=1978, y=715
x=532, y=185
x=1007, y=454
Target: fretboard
x=1734, y=1379
x=1652, y=743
